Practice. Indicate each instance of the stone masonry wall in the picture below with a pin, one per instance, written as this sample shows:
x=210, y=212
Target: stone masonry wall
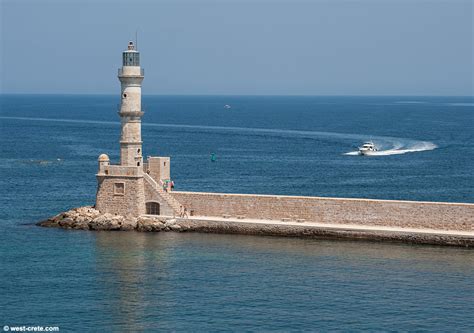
x=152, y=195
x=132, y=203
x=408, y=214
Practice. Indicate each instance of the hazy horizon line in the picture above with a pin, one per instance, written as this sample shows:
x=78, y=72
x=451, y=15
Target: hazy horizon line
x=231, y=95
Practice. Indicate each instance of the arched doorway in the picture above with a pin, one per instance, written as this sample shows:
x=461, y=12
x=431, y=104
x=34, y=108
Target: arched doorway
x=152, y=208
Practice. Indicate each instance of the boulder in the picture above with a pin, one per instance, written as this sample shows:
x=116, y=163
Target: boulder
x=128, y=224
x=67, y=223
x=149, y=224
x=170, y=222
x=49, y=223
x=175, y=227
x=106, y=222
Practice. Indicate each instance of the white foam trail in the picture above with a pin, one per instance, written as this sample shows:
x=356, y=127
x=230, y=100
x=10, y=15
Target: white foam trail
x=398, y=145
x=410, y=102
x=269, y=131
x=399, y=148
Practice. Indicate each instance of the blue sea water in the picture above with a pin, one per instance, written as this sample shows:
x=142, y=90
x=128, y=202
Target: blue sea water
x=88, y=281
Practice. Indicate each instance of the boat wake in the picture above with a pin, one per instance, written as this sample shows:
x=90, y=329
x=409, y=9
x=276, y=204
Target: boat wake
x=386, y=145
x=400, y=148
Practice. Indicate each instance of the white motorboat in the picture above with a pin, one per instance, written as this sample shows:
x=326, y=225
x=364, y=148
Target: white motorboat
x=367, y=148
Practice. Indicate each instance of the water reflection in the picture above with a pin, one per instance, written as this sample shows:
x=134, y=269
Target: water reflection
x=130, y=264
x=153, y=281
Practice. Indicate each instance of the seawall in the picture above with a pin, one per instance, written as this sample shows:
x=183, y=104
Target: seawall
x=327, y=231
x=88, y=218
x=434, y=223
x=366, y=212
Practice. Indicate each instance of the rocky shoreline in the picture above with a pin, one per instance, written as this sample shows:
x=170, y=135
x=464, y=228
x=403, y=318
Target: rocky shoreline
x=88, y=218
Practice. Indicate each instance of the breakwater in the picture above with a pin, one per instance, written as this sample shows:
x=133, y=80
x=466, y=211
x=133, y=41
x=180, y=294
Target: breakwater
x=88, y=218
x=366, y=212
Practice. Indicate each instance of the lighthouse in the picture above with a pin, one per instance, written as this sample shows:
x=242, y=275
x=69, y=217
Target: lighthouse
x=131, y=77
x=133, y=187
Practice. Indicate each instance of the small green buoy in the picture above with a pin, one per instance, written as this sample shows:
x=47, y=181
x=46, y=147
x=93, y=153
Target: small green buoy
x=213, y=157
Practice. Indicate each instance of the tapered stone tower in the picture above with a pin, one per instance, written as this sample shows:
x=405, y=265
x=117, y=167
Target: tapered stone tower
x=131, y=77
x=121, y=188
x=133, y=187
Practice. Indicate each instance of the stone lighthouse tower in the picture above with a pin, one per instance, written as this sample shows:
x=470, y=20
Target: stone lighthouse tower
x=133, y=187
x=121, y=188
x=131, y=77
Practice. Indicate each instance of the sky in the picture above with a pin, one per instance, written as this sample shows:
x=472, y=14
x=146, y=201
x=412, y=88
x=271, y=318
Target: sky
x=240, y=47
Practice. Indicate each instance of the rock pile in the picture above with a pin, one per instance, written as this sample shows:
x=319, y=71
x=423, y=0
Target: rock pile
x=88, y=218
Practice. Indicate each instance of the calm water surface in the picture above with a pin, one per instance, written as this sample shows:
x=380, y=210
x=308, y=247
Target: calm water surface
x=83, y=281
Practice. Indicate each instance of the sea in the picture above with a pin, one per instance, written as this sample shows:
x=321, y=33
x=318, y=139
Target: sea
x=188, y=282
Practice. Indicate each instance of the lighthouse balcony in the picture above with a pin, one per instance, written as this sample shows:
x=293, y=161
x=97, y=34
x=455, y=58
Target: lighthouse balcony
x=131, y=113
x=125, y=110
x=131, y=71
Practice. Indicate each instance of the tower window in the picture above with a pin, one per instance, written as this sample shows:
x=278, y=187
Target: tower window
x=119, y=188
x=124, y=95
x=138, y=163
